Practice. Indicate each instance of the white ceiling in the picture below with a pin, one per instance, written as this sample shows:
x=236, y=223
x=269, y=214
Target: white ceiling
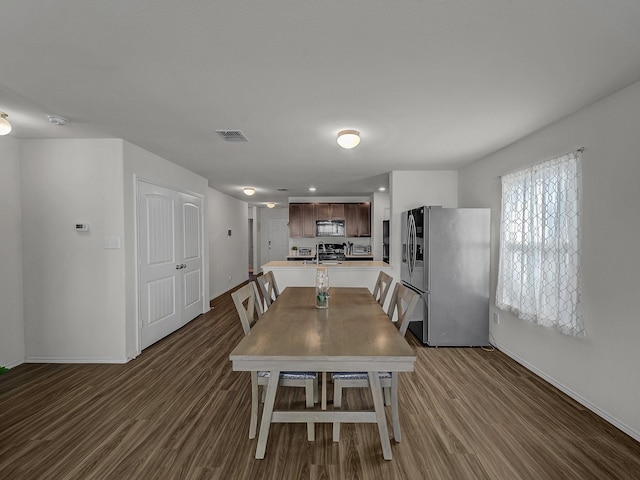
x=430, y=84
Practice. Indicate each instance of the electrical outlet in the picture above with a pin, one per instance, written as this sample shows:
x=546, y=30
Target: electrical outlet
x=496, y=318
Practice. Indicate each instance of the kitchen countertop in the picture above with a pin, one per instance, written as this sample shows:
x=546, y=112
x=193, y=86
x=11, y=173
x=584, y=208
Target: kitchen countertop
x=332, y=264
x=311, y=257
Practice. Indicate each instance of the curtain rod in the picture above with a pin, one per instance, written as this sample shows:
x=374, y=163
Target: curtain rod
x=581, y=150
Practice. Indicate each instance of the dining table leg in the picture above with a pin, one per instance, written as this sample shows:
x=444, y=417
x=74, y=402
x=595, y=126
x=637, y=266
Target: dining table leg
x=323, y=403
x=267, y=412
x=378, y=404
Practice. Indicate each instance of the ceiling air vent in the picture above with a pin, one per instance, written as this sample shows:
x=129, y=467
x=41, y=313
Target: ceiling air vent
x=232, y=135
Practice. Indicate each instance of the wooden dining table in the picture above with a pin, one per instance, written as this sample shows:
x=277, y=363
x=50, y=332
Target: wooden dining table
x=353, y=335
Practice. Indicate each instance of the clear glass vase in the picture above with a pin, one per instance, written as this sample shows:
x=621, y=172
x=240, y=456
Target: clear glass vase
x=322, y=288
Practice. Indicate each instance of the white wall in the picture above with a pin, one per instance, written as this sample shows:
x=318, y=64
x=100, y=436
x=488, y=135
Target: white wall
x=80, y=298
x=229, y=255
x=601, y=371
x=73, y=286
x=410, y=189
x=140, y=163
x=12, y=346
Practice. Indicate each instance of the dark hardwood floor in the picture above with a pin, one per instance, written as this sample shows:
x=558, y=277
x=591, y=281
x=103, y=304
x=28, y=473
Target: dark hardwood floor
x=179, y=411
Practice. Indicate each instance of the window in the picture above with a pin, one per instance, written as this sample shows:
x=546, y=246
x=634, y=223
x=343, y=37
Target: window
x=539, y=268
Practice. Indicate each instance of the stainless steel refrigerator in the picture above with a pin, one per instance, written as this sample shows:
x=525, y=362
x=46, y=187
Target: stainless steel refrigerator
x=445, y=258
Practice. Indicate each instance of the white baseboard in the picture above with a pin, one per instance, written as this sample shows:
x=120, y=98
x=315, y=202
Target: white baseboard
x=13, y=364
x=75, y=360
x=578, y=398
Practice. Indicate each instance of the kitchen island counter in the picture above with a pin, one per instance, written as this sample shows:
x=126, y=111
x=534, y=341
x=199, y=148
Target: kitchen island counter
x=359, y=273
x=328, y=264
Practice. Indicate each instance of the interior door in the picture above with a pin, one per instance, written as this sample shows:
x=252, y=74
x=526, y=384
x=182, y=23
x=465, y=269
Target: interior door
x=191, y=256
x=278, y=239
x=170, y=260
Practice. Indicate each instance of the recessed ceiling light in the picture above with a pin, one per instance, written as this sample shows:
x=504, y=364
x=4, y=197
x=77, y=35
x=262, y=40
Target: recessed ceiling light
x=249, y=190
x=348, y=138
x=381, y=189
x=312, y=189
x=271, y=204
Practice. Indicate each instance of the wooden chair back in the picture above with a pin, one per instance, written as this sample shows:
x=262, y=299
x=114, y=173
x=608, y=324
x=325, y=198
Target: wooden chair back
x=404, y=300
x=248, y=305
x=383, y=284
x=268, y=287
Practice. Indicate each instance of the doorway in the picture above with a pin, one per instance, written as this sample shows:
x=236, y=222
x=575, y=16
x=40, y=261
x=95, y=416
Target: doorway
x=278, y=242
x=251, y=249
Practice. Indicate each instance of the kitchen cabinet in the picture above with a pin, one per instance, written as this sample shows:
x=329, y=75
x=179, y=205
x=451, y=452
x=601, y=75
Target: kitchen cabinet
x=302, y=220
x=323, y=211
x=364, y=219
x=357, y=219
x=337, y=211
x=303, y=216
x=329, y=211
x=295, y=220
x=308, y=220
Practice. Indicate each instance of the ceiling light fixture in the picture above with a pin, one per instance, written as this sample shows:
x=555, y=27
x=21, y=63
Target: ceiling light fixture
x=271, y=204
x=249, y=190
x=381, y=189
x=348, y=138
x=5, y=126
x=312, y=189
x=58, y=120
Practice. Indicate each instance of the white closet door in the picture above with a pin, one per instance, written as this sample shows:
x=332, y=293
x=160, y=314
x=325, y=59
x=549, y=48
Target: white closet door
x=171, y=263
x=191, y=257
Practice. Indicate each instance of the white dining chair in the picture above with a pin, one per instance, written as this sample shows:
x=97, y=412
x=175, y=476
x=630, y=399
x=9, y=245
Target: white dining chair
x=404, y=300
x=268, y=288
x=248, y=305
x=383, y=285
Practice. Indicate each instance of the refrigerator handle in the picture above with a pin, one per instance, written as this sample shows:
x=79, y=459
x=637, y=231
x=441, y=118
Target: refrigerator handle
x=410, y=244
x=414, y=243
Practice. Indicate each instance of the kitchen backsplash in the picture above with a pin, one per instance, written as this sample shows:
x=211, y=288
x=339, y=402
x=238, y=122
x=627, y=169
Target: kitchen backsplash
x=311, y=242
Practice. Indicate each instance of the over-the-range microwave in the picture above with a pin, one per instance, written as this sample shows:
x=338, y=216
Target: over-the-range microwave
x=329, y=228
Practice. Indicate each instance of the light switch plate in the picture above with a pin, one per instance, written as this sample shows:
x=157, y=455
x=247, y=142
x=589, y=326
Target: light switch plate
x=112, y=242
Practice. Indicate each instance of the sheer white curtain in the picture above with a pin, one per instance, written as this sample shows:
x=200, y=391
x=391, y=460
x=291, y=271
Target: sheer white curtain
x=539, y=269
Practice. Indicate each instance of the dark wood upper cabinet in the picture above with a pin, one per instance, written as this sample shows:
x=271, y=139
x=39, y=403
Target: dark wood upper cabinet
x=303, y=216
x=308, y=220
x=323, y=211
x=351, y=219
x=302, y=220
x=329, y=211
x=295, y=220
x=364, y=219
x=357, y=219
x=337, y=211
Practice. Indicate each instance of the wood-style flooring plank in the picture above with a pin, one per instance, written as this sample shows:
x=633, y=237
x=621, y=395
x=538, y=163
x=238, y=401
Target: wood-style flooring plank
x=178, y=411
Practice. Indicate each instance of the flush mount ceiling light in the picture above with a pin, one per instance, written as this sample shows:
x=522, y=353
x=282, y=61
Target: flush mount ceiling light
x=58, y=120
x=348, y=138
x=381, y=189
x=312, y=189
x=249, y=190
x=5, y=126
x=271, y=204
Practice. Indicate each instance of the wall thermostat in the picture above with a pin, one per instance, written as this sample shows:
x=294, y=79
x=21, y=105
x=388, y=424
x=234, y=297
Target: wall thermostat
x=82, y=227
